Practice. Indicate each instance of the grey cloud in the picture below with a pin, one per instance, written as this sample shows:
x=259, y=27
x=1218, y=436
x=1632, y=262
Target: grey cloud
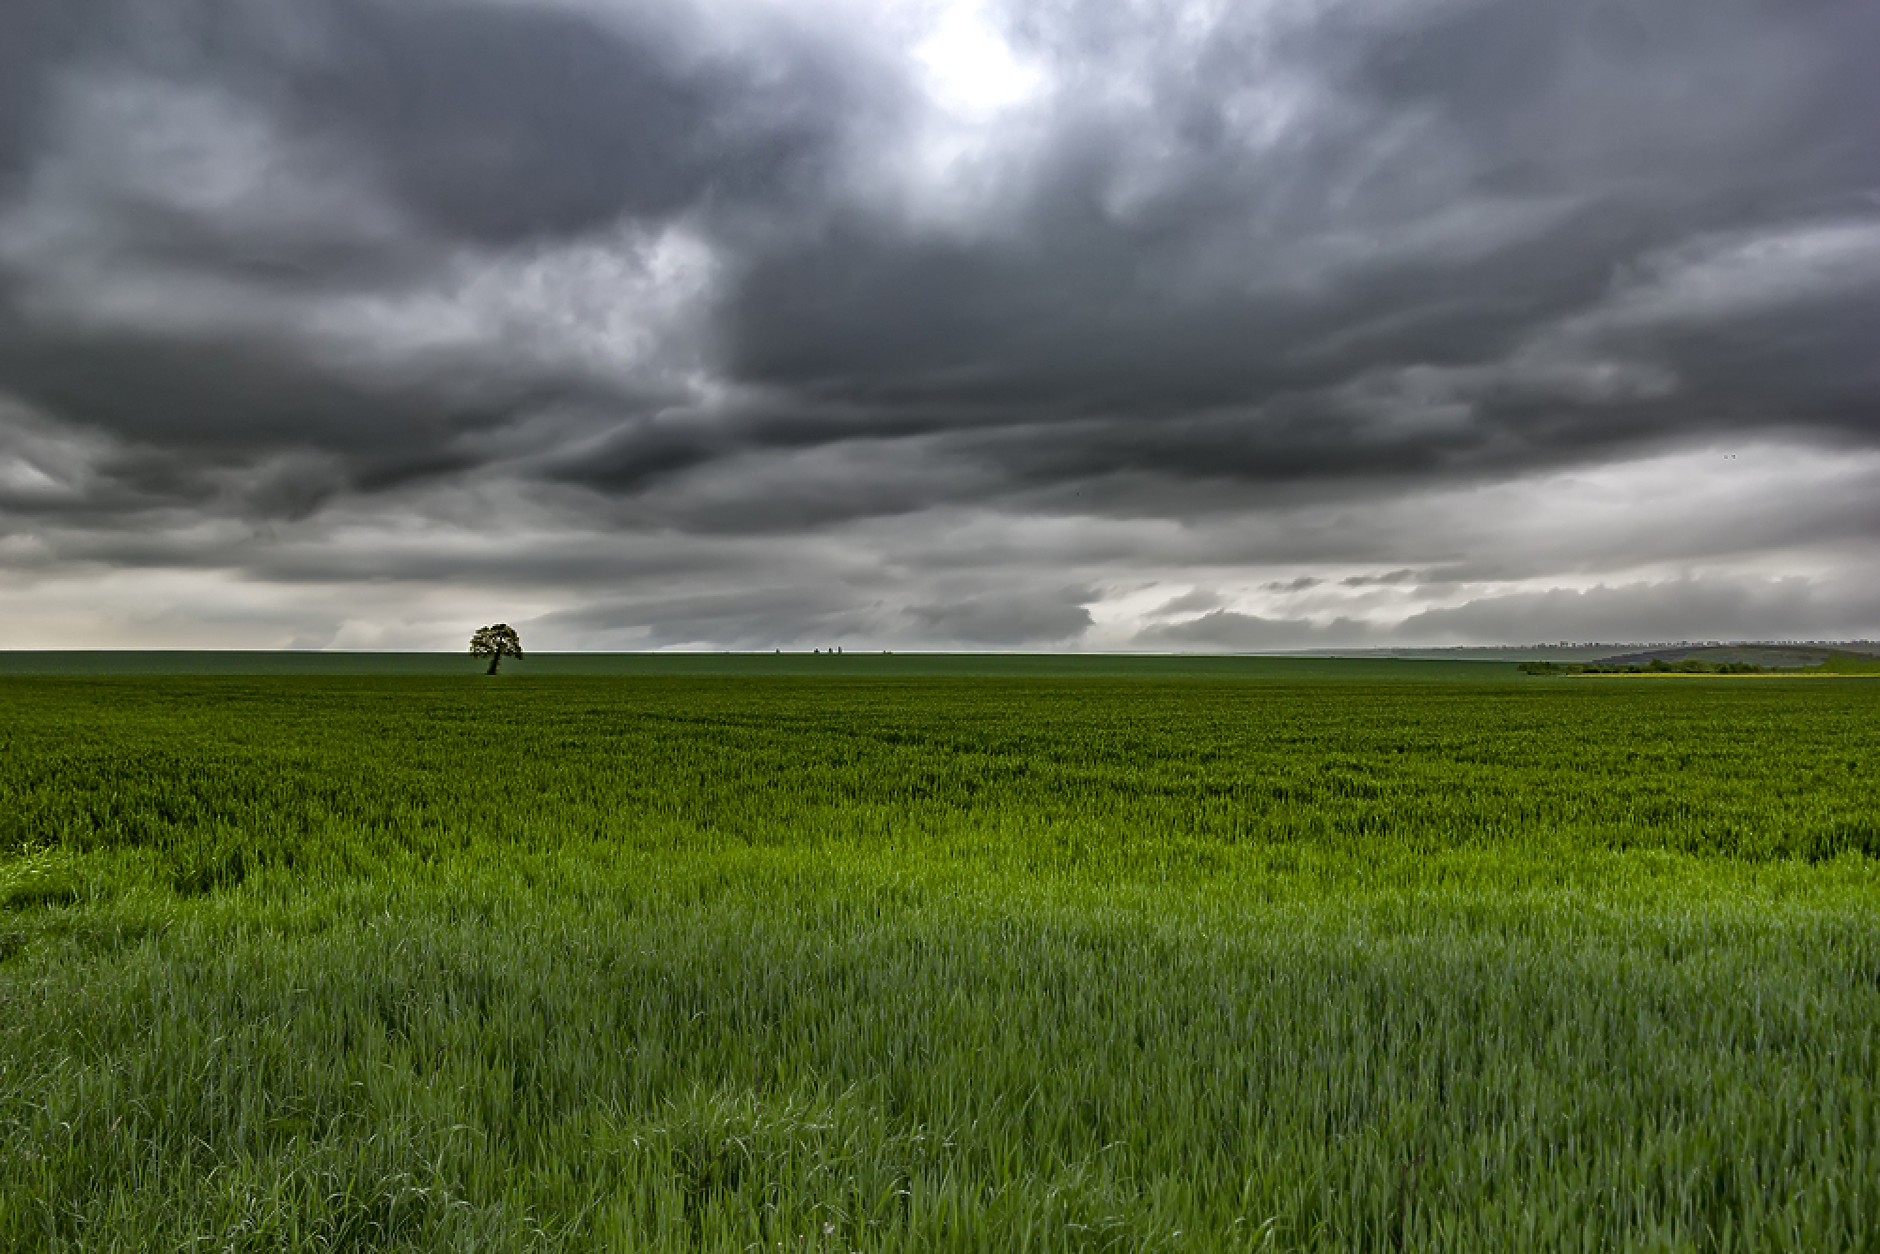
x=216, y=201
x=1716, y=607
x=1388, y=579
x=1095, y=346
x=1168, y=291
x=1741, y=92
x=1197, y=600
x=500, y=122
x=36, y=37
x=756, y=617
x=504, y=121
x=778, y=488
x=1707, y=607
x=1231, y=631
x=638, y=455
x=1008, y=620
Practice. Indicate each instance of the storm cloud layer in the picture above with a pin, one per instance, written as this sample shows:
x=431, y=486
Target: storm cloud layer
x=1074, y=324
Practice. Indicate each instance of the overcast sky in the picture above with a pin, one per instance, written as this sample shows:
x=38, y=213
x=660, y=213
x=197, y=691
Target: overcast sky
x=1070, y=324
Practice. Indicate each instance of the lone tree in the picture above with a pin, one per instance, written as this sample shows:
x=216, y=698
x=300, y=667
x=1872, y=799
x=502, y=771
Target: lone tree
x=496, y=643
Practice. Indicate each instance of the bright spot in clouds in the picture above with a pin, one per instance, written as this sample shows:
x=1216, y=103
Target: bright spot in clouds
x=968, y=68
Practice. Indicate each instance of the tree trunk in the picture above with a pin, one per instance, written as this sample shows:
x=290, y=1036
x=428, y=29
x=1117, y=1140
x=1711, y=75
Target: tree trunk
x=495, y=658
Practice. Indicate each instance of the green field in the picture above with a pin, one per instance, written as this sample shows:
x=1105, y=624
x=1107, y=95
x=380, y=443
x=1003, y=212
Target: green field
x=842, y=953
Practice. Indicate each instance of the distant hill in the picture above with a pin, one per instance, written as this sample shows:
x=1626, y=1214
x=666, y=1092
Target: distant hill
x=1811, y=653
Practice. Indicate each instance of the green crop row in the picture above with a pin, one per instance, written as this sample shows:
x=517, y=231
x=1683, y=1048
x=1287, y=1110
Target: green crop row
x=342, y=773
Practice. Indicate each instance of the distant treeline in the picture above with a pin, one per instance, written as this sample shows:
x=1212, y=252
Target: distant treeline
x=1775, y=662
x=1657, y=666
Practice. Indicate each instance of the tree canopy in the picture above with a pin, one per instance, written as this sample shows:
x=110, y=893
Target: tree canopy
x=496, y=643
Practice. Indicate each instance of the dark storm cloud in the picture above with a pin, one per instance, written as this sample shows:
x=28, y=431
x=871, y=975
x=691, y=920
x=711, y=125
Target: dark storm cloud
x=1429, y=302
x=1163, y=294
x=501, y=123
x=1755, y=98
x=203, y=206
x=36, y=34
x=729, y=272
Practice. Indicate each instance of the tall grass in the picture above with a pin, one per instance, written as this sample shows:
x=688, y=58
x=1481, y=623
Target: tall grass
x=937, y=965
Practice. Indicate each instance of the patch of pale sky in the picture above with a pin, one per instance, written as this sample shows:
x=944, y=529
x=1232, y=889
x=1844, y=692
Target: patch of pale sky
x=37, y=461
x=22, y=478
x=222, y=609
x=963, y=154
x=1579, y=524
x=605, y=305
x=1747, y=273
